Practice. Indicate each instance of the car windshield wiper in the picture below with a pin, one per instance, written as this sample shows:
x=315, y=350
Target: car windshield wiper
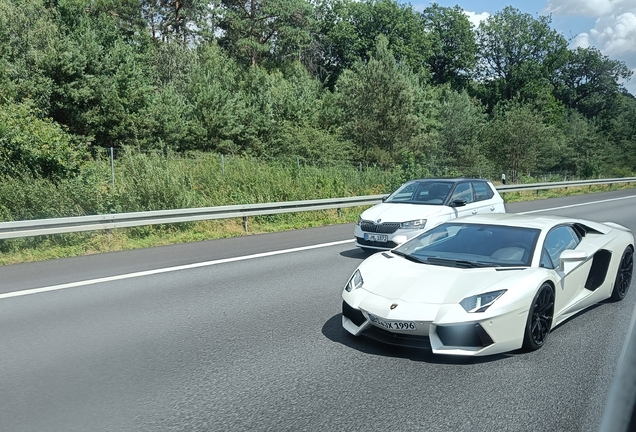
x=461, y=263
x=410, y=257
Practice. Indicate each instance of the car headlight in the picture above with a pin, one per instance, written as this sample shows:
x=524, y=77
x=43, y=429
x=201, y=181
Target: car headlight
x=480, y=302
x=414, y=224
x=355, y=281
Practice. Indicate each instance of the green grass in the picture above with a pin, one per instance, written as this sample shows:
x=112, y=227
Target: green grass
x=77, y=244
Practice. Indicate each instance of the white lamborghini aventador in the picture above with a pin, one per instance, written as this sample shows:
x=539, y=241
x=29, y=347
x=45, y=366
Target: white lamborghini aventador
x=487, y=284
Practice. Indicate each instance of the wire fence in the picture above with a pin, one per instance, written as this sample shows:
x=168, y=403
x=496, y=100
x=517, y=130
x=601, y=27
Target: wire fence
x=304, y=166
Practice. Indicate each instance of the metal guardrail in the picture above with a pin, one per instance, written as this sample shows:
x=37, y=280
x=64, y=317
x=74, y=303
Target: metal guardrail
x=563, y=184
x=37, y=227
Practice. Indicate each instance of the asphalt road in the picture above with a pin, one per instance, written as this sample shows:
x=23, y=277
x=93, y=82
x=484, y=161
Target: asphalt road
x=256, y=345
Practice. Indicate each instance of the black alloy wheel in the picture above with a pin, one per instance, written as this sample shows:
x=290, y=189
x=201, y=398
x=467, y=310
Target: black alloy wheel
x=624, y=275
x=539, y=318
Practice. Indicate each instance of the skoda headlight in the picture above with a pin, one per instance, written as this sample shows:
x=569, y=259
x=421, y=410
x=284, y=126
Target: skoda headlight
x=480, y=302
x=355, y=282
x=414, y=224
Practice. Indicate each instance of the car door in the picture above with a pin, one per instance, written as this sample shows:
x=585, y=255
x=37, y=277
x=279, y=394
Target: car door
x=572, y=282
x=463, y=193
x=486, y=200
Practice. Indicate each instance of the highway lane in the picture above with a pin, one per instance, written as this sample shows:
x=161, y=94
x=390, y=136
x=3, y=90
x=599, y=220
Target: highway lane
x=257, y=345
x=53, y=272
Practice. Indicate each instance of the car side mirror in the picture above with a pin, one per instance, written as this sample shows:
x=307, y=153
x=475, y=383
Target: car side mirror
x=384, y=198
x=458, y=203
x=570, y=259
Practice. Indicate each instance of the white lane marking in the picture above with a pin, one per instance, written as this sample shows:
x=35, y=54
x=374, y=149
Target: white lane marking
x=578, y=205
x=166, y=270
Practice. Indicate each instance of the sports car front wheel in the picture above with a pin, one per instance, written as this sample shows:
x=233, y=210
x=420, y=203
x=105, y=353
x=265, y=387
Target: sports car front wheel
x=624, y=275
x=539, y=318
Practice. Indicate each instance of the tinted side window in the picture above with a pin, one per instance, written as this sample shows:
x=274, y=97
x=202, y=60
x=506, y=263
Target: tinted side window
x=482, y=191
x=463, y=191
x=558, y=240
x=404, y=193
x=546, y=262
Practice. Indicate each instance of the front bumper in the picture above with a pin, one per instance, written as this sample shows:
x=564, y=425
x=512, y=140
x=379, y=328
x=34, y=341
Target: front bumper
x=488, y=336
x=359, y=235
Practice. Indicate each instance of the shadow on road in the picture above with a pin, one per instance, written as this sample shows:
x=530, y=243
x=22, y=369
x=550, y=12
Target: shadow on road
x=333, y=331
x=356, y=253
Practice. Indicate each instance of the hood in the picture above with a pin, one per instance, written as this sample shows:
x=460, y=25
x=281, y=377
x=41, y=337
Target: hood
x=403, y=212
x=398, y=278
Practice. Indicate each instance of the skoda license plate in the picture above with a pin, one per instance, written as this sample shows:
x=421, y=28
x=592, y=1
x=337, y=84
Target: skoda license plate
x=382, y=238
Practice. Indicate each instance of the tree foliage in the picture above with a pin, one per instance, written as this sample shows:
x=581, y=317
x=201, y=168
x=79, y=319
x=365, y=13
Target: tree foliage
x=370, y=82
x=517, y=54
x=453, y=52
x=519, y=142
x=461, y=123
x=36, y=147
x=590, y=82
x=350, y=31
x=383, y=107
x=258, y=30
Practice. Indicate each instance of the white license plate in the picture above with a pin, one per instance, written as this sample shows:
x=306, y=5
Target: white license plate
x=392, y=325
x=382, y=238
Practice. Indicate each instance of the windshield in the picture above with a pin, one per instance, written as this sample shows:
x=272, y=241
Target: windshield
x=472, y=245
x=421, y=192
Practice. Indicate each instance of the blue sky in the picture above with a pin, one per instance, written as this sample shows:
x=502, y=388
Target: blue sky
x=609, y=25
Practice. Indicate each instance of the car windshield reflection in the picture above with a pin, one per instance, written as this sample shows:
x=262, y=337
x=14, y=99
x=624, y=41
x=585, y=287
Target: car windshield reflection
x=467, y=245
x=421, y=192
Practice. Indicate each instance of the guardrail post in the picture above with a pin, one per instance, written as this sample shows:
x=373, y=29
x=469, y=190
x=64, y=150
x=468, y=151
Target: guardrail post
x=339, y=212
x=245, y=223
x=112, y=168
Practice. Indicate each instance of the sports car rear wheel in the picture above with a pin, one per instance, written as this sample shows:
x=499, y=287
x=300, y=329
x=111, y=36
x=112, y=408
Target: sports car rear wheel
x=624, y=275
x=539, y=318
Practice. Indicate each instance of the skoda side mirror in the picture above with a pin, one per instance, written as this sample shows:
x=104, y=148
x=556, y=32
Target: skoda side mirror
x=458, y=203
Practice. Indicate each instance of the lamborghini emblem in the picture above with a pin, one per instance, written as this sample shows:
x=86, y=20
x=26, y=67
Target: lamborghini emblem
x=393, y=306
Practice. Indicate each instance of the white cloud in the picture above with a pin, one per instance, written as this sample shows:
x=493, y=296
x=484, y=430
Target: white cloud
x=590, y=8
x=616, y=35
x=582, y=40
x=476, y=18
x=614, y=32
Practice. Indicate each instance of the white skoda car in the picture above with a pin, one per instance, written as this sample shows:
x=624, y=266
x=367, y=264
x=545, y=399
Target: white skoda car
x=420, y=205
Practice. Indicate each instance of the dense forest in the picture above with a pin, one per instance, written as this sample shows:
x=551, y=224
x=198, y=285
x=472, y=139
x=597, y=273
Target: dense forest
x=369, y=83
